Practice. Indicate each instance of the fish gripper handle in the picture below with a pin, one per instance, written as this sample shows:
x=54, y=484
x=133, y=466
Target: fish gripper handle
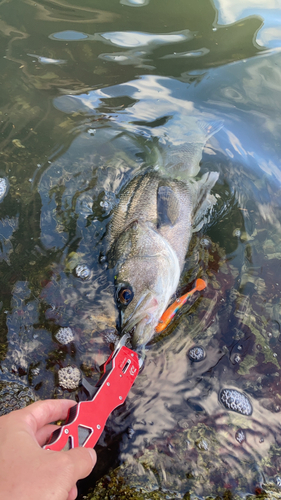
x=86, y=420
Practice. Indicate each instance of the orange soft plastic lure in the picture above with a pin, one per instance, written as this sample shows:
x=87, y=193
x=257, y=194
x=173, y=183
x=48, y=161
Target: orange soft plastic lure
x=168, y=315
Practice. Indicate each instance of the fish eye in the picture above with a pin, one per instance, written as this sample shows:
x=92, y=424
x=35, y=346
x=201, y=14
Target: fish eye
x=125, y=295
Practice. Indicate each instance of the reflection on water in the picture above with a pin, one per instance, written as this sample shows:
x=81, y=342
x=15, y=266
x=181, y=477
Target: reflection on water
x=90, y=97
x=269, y=34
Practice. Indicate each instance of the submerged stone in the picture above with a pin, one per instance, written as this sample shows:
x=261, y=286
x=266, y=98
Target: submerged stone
x=240, y=436
x=236, y=401
x=278, y=481
x=69, y=377
x=196, y=353
x=14, y=396
x=202, y=444
x=82, y=271
x=64, y=335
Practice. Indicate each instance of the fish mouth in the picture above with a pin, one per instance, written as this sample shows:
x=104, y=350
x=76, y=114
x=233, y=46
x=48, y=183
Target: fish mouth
x=143, y=320
x=140, y=333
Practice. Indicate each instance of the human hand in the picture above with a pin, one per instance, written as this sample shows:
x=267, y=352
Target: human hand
x=27, y=472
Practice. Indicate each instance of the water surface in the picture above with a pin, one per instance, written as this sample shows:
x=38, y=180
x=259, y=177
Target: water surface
x=93, y=93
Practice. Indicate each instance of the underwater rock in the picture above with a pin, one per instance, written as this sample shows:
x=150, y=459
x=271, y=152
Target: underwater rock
x=237, y=358
x=196, y=353
x=82, y=271
x=130, y=432
x=240, y=436
x=69, y=377
x=14, y=396
x=114, y=485
x=64, y=335
x=236, y=401
x=278, y=481
x=108, y=201
x=202, y=444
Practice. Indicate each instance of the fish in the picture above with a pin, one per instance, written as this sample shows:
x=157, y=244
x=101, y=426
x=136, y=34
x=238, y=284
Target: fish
x=169, y=314
x=147, y=240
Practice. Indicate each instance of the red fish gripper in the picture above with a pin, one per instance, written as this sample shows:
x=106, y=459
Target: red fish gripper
x=86, y=420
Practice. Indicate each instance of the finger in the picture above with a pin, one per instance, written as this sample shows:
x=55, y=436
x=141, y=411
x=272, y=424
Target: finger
x=72, y=494
x=43, y=434
x=43, y=412
x=83, y=460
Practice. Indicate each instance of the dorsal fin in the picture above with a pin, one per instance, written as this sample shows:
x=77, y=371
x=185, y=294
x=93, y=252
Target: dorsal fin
x=167, y=206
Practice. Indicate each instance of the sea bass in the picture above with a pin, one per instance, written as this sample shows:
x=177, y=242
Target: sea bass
x=148, y=237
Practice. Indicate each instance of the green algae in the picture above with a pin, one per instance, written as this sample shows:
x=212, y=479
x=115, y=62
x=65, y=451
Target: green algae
x=247, y=364
x=251, y=361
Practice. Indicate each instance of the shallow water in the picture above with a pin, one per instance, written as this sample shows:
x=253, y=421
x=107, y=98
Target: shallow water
x=91, y=94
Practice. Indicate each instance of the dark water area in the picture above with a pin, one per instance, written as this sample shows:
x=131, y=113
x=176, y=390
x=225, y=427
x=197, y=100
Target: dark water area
x=93, y=93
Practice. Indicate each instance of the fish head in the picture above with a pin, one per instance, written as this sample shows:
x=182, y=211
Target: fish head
x=147, y=272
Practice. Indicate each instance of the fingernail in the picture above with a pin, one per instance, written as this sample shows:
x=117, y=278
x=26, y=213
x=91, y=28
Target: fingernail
x=93, y=455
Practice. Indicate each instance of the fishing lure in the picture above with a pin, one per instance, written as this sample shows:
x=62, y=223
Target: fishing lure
x=168, y=315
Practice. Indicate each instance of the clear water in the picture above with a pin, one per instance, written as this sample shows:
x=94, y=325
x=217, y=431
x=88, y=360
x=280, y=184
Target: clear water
x=90, y=94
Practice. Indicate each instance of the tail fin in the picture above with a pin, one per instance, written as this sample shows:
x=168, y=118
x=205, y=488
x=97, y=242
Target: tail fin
x=186, y=137
x=200, y=284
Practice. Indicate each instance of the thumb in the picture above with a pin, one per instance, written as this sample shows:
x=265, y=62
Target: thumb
x=83, y=461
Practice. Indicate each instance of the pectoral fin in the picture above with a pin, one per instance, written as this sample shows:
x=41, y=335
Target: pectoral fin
x=167, y=206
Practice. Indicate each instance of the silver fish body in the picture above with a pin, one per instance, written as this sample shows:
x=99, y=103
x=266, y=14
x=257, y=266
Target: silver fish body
x=148, y=237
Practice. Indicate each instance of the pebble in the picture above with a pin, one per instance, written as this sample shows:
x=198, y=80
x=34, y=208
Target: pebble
x=240, y=436
x=205, y=242
x=237, y=233
x=64, y=335
x=35, y=371
x=202, y=444
x=108, y=201
x=236, y=401
x=278, y=481
x=237, y=358
x=82, y=271
x=131, y=432
x=171, y=448
x=196, y=353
